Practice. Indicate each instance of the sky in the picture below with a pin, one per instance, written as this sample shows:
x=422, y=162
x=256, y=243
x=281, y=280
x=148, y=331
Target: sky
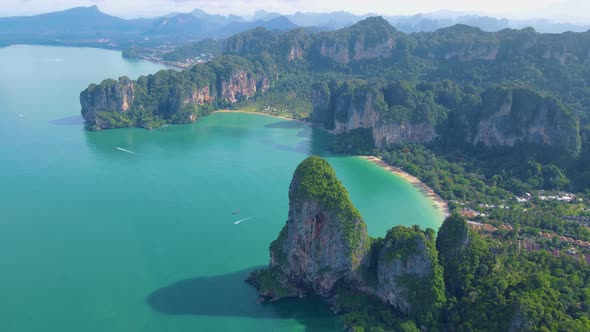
x=575, y=11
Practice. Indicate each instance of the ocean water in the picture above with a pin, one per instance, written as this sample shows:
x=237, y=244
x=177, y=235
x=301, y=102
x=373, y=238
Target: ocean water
x=132, y=230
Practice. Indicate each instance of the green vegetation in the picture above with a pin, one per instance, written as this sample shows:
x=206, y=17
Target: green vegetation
x=470, y=282
x=315, y=180
x=201, y=50
x=289, y=97
x=276, y=247
x=452, y=177
x=494, y=290
x=366, y=313
x=464, y=258
x=254, y=41
x=169, y=96
x=402, y=242
x=490, y=286
x=117, y=120
x=425, y=291
x=268, y=281
x=395, y=102
x=353, y=141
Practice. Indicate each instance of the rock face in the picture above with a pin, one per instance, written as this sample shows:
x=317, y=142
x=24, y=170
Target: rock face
x=371, y=38
x=395, y=133
x=335, y=51
x=324, y=246
x=461, y=43
x=510, y=116
x=407, y=264
x=201, y=97
x=251, y=42
x=240, y=86
x=170, y=96
x=109, y=96
x=363, y=105
x=325, y=238
x=474, y=52
x=396, y=113
x=295, y=53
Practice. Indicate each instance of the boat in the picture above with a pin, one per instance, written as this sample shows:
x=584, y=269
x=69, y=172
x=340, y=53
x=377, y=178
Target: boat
x=235, y=212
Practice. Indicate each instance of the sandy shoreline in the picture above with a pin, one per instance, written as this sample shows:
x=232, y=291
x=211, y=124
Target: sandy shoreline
x=262, y=113
x=414, y=181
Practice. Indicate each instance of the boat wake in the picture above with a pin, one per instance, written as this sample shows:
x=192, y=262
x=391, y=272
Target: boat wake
x=242, y=220
x=19, y=114
x=125, y=150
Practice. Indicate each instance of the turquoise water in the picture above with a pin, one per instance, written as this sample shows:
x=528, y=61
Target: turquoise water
x=132, y=230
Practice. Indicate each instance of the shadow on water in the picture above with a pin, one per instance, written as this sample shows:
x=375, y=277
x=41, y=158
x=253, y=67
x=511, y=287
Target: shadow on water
x=74, y=120
x=183, y=138
x=228, y=295
x=172, y=138
x=287, y=124
x=315, y=141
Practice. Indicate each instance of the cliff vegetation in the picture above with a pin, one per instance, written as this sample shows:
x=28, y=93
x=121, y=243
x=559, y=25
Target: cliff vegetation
x=324, y=249
x=458, y=87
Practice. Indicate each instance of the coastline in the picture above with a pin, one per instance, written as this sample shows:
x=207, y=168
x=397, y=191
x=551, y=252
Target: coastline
x=414, y=181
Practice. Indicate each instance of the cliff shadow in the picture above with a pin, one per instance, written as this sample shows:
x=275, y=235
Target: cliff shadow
x=229, y=295
x=173, y=138
x=74, y=120
x=314, y=140
x=288, y=124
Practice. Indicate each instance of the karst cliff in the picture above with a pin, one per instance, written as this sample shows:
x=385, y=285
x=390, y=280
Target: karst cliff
x=324, y=248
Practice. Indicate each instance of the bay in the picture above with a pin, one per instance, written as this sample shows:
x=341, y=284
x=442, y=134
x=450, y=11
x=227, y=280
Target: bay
x=132, y=230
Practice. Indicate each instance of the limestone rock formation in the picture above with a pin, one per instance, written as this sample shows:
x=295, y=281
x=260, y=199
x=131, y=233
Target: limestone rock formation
x=408, y=269
x=170, y=96
x=109, y=96
x=508, y=116
x=360, y=104
x=372, y=38
x=396, y=113
x=324, y=247
x=325, y=238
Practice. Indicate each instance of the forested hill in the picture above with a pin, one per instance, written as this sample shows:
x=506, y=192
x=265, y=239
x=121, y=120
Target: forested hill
x=457, y=77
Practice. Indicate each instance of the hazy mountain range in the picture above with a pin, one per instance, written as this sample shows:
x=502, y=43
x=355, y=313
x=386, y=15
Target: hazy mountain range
x=424, y=22
x=89, y=26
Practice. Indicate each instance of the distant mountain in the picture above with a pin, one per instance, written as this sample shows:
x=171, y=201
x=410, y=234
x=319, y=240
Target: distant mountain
x=546, y=26
x=198, y=25
x=264, y=15
x=88, y=26
x=428, y=23
x=180, y=24
x=280, y=23
x=78, y=23
x=432, y=22
x=217, y=20
x=333, y=20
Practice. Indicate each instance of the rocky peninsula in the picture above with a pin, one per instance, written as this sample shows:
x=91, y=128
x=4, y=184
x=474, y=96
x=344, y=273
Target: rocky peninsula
x=324, y=250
